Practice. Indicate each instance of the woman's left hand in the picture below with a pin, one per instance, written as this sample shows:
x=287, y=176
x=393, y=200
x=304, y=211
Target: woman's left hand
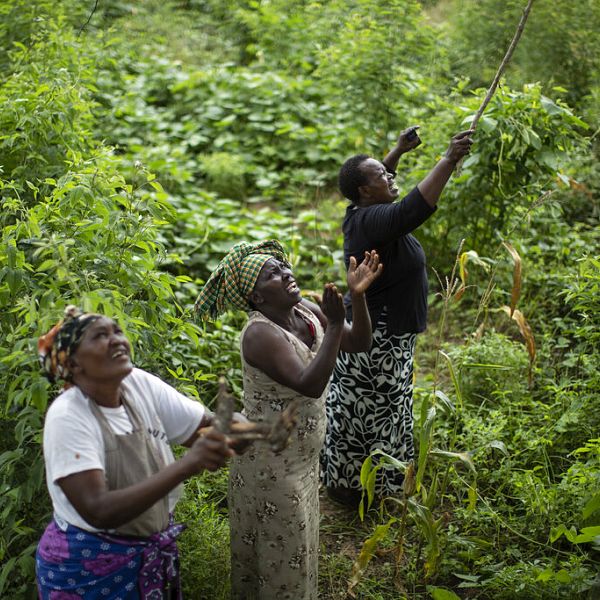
x=360, y=277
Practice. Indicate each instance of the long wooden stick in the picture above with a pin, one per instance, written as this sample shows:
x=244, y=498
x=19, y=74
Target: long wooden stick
x=503, y=64
x=501, y=69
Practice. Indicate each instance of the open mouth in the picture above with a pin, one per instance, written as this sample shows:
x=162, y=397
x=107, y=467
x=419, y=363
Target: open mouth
x=292, y=288
x=120, y=352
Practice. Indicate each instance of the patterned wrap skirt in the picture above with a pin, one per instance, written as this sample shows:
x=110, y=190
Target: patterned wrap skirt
x=74, y=564
x=369, y=407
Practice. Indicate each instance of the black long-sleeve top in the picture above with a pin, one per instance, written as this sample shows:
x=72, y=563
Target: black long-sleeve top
x=402, y=286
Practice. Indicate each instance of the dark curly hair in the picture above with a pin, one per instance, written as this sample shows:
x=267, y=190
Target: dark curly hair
x=351, y=177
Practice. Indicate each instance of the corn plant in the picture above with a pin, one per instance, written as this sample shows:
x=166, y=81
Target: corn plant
x=426, y=479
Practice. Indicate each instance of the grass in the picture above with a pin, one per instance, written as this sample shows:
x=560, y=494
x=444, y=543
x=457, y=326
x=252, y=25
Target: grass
x=204, y=545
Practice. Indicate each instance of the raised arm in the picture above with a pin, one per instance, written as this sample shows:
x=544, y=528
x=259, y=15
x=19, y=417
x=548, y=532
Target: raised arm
x=269, y=350
x=357, y=336
x=431, y=187
x=407, y=141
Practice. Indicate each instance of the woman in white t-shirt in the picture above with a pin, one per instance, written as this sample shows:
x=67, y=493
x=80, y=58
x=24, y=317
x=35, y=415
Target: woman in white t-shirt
x=110, y=471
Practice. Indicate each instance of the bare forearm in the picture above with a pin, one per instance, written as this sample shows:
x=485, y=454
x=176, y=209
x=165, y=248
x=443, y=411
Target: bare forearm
x=315, y=377
x=110, y=509
x=358, y=337
x=431, y=187
x=392, y=157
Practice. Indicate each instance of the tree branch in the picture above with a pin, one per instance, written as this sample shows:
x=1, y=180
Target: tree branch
x=499, y=73
x=88, y=19
x=503, y=64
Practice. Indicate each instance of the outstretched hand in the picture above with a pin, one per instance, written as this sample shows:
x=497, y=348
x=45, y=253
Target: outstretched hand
x=460, y=145
x=408, y=139
x=360, y=277
x=332, y=304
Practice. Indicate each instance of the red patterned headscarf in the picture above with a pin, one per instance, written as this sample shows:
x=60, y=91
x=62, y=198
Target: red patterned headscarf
x=61, y=342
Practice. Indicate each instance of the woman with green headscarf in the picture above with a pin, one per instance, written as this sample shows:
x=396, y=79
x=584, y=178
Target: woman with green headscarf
x=289, y=348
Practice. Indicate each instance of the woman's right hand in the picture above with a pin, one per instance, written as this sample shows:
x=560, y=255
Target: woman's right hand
x=332, y=305
x=210, y=451
x=460, y=146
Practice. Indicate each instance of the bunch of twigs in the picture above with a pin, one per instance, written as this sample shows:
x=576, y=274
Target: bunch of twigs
x=277, y=432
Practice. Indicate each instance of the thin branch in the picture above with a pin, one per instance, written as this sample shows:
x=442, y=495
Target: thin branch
x=499, y=73
x=502, y=66
x=88, y=19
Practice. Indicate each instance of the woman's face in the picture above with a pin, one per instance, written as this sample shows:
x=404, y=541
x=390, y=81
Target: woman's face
x=104, y=353
x=276, y=285
x=381, y=187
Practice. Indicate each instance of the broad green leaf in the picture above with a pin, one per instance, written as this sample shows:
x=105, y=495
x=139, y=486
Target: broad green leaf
x=487, y=123
x=463, y=457
x=562, y=576
x=550, y=107
x=365, y=470
x=366, y=553
x=438, y=593
x=546, y=575
x=591, y=506
x=445, y=402
x=454, y=378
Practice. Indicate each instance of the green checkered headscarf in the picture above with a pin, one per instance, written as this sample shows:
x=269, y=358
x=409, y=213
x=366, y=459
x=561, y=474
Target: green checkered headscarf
x=235, y=276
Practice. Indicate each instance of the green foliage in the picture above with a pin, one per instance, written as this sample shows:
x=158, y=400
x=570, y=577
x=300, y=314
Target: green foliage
x=522, y=146
x=224, y=174
x=492, y=369
x=204, y=544
x=125, y=174
x=23, y=512
x=73, y=230
x=373, y=66
x=23, y=22
x=559, y=45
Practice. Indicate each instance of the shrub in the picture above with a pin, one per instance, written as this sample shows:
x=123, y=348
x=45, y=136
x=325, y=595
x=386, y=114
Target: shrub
x=492, y=369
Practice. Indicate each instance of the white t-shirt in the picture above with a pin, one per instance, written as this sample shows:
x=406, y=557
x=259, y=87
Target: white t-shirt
x=73, y=439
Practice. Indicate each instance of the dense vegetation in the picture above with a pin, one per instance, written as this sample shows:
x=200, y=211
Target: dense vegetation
x=139, y=146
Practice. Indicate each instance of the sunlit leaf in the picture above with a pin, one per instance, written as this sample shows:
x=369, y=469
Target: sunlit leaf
x=464, y=457
x=445, y=402
x=453, y=376
x=591, y=506
x=472, y=493
x=516, y=287
x=438, y=593
x=526, y=332
x=562, y=576
x=366, y=554
x=365, y=470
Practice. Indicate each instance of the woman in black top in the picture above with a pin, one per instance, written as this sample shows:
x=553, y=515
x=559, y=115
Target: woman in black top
x=369, y=405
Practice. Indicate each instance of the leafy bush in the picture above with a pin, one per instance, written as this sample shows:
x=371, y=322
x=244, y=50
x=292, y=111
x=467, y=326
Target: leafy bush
x=559, y=46
x=522, y=145
x=204, y=544
x=224, y=174
x=109, y=145
x=73, y=231
x=492, y=369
